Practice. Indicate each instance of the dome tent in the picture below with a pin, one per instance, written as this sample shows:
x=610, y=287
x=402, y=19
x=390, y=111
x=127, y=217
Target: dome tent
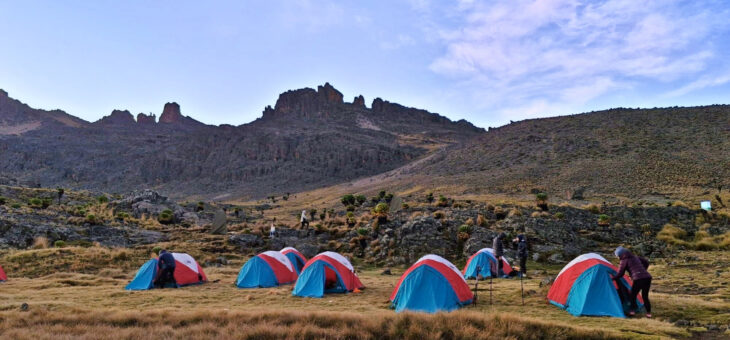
x=3, y=277
x=295, y=257
x=485, y=260
x=328, y=272
x=584, y=287
x=268, y=269
x=187, y=272
x=431, y=285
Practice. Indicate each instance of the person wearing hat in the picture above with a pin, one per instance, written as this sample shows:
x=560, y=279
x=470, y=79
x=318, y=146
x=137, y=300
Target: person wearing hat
x=521, y=242
x=638, y=270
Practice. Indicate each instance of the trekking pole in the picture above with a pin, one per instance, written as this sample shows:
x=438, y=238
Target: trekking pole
x=522, y=288
x=490, y=290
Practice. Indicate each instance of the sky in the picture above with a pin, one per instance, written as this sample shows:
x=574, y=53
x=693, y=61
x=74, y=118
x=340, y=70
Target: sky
x=488, y=62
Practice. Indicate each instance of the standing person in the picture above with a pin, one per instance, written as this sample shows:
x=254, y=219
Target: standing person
x=303, y=219
x=272, y=232
x=498, y=246
x=638, y=269
x=521, y=242
x=166, y=264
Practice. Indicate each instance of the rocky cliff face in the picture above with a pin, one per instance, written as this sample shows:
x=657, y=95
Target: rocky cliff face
x=310, y=138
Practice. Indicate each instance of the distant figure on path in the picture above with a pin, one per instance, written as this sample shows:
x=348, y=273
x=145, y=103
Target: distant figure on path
x=272, y=232
x=303, y=220
x=166, y=265
x=638, y=269
x=498, y=246
x=521, y=242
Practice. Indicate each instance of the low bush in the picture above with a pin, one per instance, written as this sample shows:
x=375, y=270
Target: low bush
x=102, y=199
x=165, y=217
x=157, y=250
x=405, y=206
x=59, y=243
x=381, y=211
x=15, y=205
x=481, y=221
x=3, y=200
x=40, y=242
x=91, y=219
x=438, y=215
x=465, y=228
x=603, y=219
x=362, y=231
x=559, y=215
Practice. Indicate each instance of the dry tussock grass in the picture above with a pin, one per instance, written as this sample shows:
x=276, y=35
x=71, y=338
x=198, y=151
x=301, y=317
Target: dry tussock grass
x=43, y=324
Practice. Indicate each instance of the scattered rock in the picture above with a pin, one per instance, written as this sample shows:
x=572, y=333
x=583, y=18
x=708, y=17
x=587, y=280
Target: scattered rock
x=386, y=271
x=682, y=323
x=547, y=281
x=24, y=307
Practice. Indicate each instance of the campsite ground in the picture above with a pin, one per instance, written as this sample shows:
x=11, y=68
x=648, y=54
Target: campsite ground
x=688, y=292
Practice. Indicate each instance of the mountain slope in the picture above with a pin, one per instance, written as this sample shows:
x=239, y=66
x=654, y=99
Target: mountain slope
x=672, y=151
x=311, y=138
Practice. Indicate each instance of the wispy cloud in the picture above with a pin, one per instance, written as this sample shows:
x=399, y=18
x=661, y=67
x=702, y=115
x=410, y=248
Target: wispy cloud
x=527, y=55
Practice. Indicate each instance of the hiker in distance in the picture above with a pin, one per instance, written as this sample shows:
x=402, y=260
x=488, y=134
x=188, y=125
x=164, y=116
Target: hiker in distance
x=272, y=232
x=521, y=242
x=638, y=270
x=498, y=246
x=166, y=265
x=303, y=219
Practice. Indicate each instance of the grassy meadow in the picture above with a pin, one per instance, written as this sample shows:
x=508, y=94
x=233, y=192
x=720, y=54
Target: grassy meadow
x=79, y=293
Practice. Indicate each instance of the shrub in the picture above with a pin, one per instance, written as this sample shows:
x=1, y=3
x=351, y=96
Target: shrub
x=481, y=221
x=593, y=208
x=374, y=199
x=499, y=213
x=46, y=202
x=381, y=194
x=322, y=216
x=514, y=212
x=35, y=203
x=200, y=206
x=429, y=197
x=59, y=244
x=15, y=205
x=350, y=208
x=348, y=199
x=360, y=199
x=603, y=219
x=362, y=231
x=559, y=215
x=312, y=213
x=443, y=201
x=122, y=215
x=40, y=242
x=157, y=250
x=3, y=200
x=438, y=215
x=91, y=219
x=102, y=199
x=465, y=228
x=388, y=198
x=165, y=216
x=381, y=211
x=405, y=206
x=679, y=204
x=541, y=197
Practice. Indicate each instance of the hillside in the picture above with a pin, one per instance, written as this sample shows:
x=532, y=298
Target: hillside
x=671, y=152
x=309, y=139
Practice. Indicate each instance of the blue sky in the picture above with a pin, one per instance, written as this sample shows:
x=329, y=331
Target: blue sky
x=485, y=61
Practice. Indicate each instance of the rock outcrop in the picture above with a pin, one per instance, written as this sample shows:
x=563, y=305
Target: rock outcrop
x=118, y=117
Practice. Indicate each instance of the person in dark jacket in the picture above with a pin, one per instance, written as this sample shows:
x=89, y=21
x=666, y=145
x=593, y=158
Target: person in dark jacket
x=521, y=242
x=166, y=266
x=498, y=246
x=638, y=270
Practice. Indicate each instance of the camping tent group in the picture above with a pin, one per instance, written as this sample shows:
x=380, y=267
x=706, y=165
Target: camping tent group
x=584, y=287
x=432, y=284
x=187, y=272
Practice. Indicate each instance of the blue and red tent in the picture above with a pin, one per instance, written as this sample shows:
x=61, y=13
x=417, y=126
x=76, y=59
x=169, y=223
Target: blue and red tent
x=295, y=257
x=187, y=272
x=268, y=269
x=328, y=272
x=584, y=287
x=3, y=277
x=431, y=285
x=486, y=263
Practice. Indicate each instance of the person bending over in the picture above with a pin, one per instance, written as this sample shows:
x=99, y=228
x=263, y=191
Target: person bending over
x=166, y=266
x=638, y=269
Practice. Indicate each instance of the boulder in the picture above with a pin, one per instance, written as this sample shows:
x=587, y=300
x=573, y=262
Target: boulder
x=246, y=241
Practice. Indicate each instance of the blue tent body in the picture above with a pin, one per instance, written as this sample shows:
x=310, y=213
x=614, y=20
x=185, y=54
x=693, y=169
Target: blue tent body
x=593, y=293
x=426, y=290
x=482, y=261
x=145, y=277
x=311, y=282
x=256, y=273
x=296, y=261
